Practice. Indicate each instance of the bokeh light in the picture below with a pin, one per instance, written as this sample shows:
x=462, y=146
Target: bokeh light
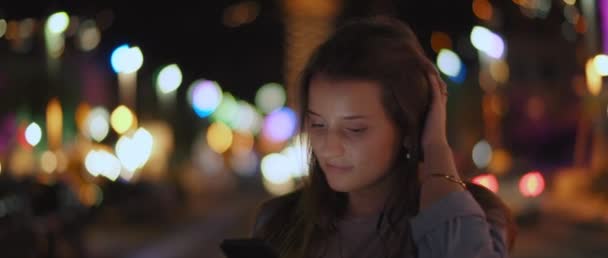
x=482, y=9
x=54, y=124
x=33, y=134
x=123, y=119
x=134, y=151
x=219, y=137
x=488, y=181
x=532, y=184
x=298, y=155
x=601, y=64
x=501, y=162
x=169, y=79
x=242, y=142
x=81, y=116
x=593, y=78
x=440, y=40
x=126, y=59
x=499, y=70
x=277, y=168
x=270, y=97
x=58, y=22
x=280, y=125
x=89, y=35
x=249, y=120
x=449, y=63
x=205, y=96
x=482, y=154
x=570, y=2
x=3, y=26
x=244, y=163
x=227, y=111
x=487, y=41
x=48, y=161
x=98, y=123
x=241, y=13
x=101, y=162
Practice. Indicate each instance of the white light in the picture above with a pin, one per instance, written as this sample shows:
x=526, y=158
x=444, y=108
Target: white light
x=126, y=59
x=133, y=152
x=600, y=62
x=169, y=78
x=33, y=134
x=249, y=120
x=487, y=41
x=58, y=22
x=482, y=154
x=297, y=153
x=98, y=123
x=102, y=163
x=449, y=63
x=276, y=168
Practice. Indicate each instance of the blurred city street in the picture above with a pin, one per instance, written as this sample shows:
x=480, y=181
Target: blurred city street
x=155, y=129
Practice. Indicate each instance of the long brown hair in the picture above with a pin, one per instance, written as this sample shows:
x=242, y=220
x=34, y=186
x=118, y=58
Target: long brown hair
x=386, y=51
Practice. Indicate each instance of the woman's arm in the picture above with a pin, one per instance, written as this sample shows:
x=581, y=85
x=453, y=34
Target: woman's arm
x=450, y=222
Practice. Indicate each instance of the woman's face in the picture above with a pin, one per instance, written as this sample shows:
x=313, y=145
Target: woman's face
x=352, y=136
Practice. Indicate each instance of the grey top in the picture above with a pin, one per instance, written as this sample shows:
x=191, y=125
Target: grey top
x=454, y=226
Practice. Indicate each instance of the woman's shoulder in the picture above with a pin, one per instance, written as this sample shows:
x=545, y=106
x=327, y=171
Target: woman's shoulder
x=267, y=210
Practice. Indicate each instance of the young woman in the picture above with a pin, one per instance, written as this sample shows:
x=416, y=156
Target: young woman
x=382, y=181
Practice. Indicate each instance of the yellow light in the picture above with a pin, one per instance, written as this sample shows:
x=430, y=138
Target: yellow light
x=58, y=22
x=499, y=70
x=81, y=116
x=33, y=134
x=600, y=62
x=219, y=137
x=594, y=79
x=242, y=143
x=54, y=124
x=122, y=119
x=501, y=162
x=570, y=2
x=48, y=162
x=440, y=40
x=482, y=9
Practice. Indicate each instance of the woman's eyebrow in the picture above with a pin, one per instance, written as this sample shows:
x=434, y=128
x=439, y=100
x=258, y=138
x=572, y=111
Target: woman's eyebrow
x=310, y=112
x=347, y=117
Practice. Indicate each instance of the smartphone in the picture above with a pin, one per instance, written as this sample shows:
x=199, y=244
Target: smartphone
x=247, y=248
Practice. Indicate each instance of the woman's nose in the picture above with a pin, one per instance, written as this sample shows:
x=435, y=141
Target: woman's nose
x=331, y=146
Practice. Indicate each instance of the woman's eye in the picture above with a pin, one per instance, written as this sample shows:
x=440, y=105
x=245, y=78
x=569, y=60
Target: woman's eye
x=314, y=125
x=357, y=130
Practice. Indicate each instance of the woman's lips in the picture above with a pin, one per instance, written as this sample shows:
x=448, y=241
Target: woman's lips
x=338, y=168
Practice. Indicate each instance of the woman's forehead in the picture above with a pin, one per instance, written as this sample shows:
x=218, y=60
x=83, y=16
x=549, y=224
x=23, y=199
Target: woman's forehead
x=344, y=97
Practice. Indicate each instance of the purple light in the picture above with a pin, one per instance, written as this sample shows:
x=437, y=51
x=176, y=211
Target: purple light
x=604, y=23
x=280, y=125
